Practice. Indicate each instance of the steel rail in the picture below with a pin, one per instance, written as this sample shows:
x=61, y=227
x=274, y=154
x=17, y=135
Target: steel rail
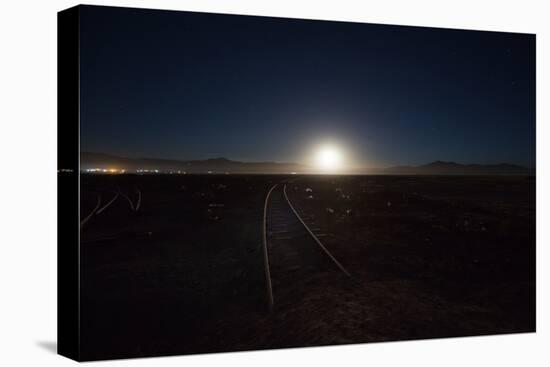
x=139, y=199
x=85, y=220
x=266, y=256
x=327, y=252
x=109, y=203
x=129, y=201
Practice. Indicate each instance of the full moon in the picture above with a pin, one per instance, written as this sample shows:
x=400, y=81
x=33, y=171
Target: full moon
x=328, y=158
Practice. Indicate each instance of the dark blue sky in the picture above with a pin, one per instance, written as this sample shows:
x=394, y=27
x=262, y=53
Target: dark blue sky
x=193, y=86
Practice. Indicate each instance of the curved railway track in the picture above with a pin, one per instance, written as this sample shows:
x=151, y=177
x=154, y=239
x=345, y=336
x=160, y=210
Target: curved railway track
x=292, y=251
x=91, y=214
x=117, y=193
x=102, y=193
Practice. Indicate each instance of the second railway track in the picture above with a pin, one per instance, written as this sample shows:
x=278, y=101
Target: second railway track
x=292, y=252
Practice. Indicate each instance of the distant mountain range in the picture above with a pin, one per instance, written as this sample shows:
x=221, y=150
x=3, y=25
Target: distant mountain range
x=221, y=165
x=453, y=168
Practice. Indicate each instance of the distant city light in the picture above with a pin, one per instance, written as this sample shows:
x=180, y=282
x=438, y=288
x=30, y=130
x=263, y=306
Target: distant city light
x=104, y=170
x=111, y=170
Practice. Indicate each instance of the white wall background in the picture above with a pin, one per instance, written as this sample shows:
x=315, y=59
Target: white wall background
x=28, y=181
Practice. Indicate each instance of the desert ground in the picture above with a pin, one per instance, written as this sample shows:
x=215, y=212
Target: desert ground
x=175, y=264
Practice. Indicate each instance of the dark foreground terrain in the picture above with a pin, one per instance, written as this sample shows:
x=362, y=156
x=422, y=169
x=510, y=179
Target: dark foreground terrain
x=175, y=264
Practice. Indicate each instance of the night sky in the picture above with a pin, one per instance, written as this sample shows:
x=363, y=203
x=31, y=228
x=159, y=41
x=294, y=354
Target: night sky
x=194, y=86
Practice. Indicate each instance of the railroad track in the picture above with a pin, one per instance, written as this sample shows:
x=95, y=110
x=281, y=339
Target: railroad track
x=292, y=251
x=98, y=209
x=92, y=213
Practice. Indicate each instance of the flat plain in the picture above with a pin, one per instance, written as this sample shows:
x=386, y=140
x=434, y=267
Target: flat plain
x=175, y=264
